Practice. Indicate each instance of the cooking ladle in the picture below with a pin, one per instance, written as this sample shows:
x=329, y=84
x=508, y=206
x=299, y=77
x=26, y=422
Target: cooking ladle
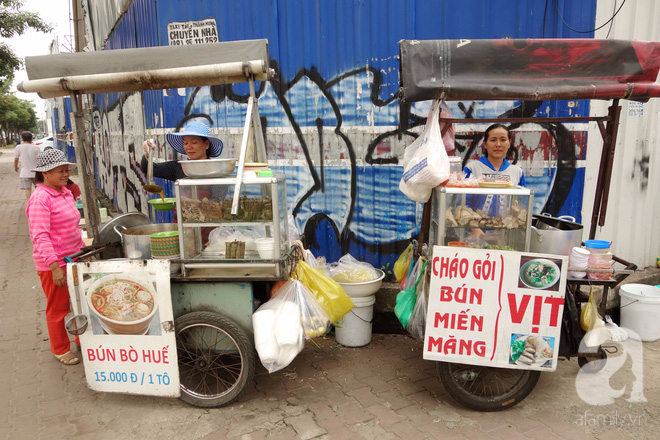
x=151, y=187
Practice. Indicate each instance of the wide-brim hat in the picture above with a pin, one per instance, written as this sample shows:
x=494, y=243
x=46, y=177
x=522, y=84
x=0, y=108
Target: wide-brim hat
x=195, y=128
x=49, y=159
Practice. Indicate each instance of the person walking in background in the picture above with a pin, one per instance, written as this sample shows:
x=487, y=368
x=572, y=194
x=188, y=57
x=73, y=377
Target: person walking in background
x=53, y=221
x=26, y=154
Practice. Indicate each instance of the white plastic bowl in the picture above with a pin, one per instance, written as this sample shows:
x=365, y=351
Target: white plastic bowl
x=365, y=288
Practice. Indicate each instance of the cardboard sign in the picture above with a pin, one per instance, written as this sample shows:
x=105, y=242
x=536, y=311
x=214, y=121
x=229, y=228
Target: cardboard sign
x=129, y=345
x=192, y=32
x=495, y=308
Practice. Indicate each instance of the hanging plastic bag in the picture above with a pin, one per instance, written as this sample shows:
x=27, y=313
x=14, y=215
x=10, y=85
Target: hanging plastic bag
x=429, y=165
x=593, y=324
x=417, y=323
x=278, y=331
x=402, y=264
x=327, y=291
x=350, y=270
x=315, y=321
x=406, y=299
x=589, y=313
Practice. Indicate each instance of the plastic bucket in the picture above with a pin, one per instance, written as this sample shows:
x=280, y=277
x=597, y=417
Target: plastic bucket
x=640, y=310
x=356, y=331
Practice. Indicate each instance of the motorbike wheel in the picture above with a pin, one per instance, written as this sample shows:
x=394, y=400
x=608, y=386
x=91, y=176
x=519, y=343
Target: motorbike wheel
x=216, y=359
x=486, y=388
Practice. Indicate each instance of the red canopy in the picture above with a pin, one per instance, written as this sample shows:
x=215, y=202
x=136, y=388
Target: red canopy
x=536, y=70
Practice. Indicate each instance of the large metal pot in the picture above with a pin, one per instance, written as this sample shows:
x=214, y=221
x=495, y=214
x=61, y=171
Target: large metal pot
x=555, y=235
x=136, y=241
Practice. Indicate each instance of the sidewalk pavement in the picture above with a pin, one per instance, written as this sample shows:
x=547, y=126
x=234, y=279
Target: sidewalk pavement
x=382, y=391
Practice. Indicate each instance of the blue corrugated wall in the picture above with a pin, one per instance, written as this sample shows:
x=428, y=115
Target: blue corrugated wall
x=334, y=123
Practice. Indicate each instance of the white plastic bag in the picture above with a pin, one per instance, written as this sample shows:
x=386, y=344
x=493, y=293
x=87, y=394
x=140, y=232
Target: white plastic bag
x=278, y=330
x=429, y=165
x=350, y=270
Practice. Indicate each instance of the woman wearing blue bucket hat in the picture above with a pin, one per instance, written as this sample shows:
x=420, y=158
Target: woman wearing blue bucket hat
x=193, y=141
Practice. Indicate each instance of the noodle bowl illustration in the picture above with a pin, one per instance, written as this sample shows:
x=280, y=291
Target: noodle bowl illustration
x=540, y=273
x=125, y=304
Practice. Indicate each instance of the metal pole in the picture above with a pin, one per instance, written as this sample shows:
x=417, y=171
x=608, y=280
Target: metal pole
x=84, y=159
x=603, y=180
x=614, y=131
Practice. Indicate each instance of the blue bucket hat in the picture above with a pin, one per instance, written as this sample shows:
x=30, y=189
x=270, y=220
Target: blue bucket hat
x=195, y=128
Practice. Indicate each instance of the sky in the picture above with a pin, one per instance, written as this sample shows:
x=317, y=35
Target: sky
x=32, y=43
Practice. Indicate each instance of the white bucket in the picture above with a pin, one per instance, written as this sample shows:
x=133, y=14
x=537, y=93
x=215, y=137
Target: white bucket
x=356, y=331
x=640, y=310
x=266, y=248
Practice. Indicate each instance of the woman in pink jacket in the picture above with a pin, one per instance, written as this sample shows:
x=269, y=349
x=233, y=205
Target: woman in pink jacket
x=53, y=220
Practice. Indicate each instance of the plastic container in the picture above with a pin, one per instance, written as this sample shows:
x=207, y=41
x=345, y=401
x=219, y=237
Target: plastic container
x=356, y=331
x=579, y=258
x=640, y=311
x=597, y=246
x=599, y=261
x=265, y=248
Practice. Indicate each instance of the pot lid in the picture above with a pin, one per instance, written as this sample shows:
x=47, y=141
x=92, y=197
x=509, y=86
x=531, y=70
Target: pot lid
x=107, y=233
x=544, y=221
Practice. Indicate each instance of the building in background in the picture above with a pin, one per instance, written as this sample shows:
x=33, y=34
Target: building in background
x=335, y=126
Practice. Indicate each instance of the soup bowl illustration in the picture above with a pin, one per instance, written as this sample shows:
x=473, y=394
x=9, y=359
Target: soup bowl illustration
x=125, y=304
x=540, y=273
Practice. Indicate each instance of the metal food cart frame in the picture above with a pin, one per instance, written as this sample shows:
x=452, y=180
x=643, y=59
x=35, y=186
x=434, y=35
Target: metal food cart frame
x=197, y=310
x=457, y=70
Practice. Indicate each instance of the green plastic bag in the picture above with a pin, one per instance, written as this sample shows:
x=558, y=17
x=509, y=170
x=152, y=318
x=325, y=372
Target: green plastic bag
x=406, y=299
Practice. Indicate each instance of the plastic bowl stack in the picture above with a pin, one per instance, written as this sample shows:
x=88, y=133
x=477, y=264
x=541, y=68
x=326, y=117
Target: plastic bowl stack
x=165, y=245
x=579, y=258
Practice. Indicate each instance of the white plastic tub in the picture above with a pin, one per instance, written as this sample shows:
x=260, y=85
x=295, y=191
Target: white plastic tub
x=356, y=331
x=640, y=310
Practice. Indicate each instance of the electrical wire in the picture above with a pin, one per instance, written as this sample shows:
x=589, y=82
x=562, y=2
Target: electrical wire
x=593, y=30
x=612, y=22
x=545, y=12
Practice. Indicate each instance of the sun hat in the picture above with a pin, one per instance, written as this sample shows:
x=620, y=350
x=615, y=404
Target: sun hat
x=195, y=128
x=49, y=159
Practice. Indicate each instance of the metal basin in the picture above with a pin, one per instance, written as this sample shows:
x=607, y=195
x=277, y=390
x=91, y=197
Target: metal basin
x=208, y=168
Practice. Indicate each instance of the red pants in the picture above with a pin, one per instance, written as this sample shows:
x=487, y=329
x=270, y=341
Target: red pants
x=57, y=307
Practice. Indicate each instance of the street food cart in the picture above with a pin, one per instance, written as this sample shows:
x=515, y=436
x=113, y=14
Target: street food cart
x=191, y=336
x=495, y=315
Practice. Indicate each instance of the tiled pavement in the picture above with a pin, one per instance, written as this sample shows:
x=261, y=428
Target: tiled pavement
x=382, y=391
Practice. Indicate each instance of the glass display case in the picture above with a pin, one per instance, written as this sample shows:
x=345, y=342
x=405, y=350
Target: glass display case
x=251, y=244
x=487, y=218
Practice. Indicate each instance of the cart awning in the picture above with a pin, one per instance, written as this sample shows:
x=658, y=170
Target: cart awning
x=529, y=69
x=149, y=68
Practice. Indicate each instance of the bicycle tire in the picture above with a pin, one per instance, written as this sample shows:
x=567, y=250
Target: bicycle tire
x=486, y=388
x=216, y=359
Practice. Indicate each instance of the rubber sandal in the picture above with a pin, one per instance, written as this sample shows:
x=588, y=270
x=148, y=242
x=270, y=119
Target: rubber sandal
x=68, y=358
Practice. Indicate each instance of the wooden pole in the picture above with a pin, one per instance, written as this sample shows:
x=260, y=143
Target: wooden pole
x=84, y=159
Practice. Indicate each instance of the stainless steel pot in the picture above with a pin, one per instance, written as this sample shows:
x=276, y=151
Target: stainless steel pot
x=136, y=241
x=555, y=235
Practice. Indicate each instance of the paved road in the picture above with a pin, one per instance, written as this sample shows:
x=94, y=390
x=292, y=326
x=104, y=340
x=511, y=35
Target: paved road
x=382, y=391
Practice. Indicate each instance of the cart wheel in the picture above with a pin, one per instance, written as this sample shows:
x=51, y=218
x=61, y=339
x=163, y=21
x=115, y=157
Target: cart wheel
x=216, y=359
x=595, y=363
x=486, y=388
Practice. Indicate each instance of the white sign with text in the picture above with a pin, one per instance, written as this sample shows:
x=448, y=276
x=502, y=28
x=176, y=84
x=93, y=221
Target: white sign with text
x=192, y=32
x=129, y=345
x=495, y=308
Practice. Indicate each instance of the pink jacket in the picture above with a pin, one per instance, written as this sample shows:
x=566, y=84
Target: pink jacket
x=53, y=220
